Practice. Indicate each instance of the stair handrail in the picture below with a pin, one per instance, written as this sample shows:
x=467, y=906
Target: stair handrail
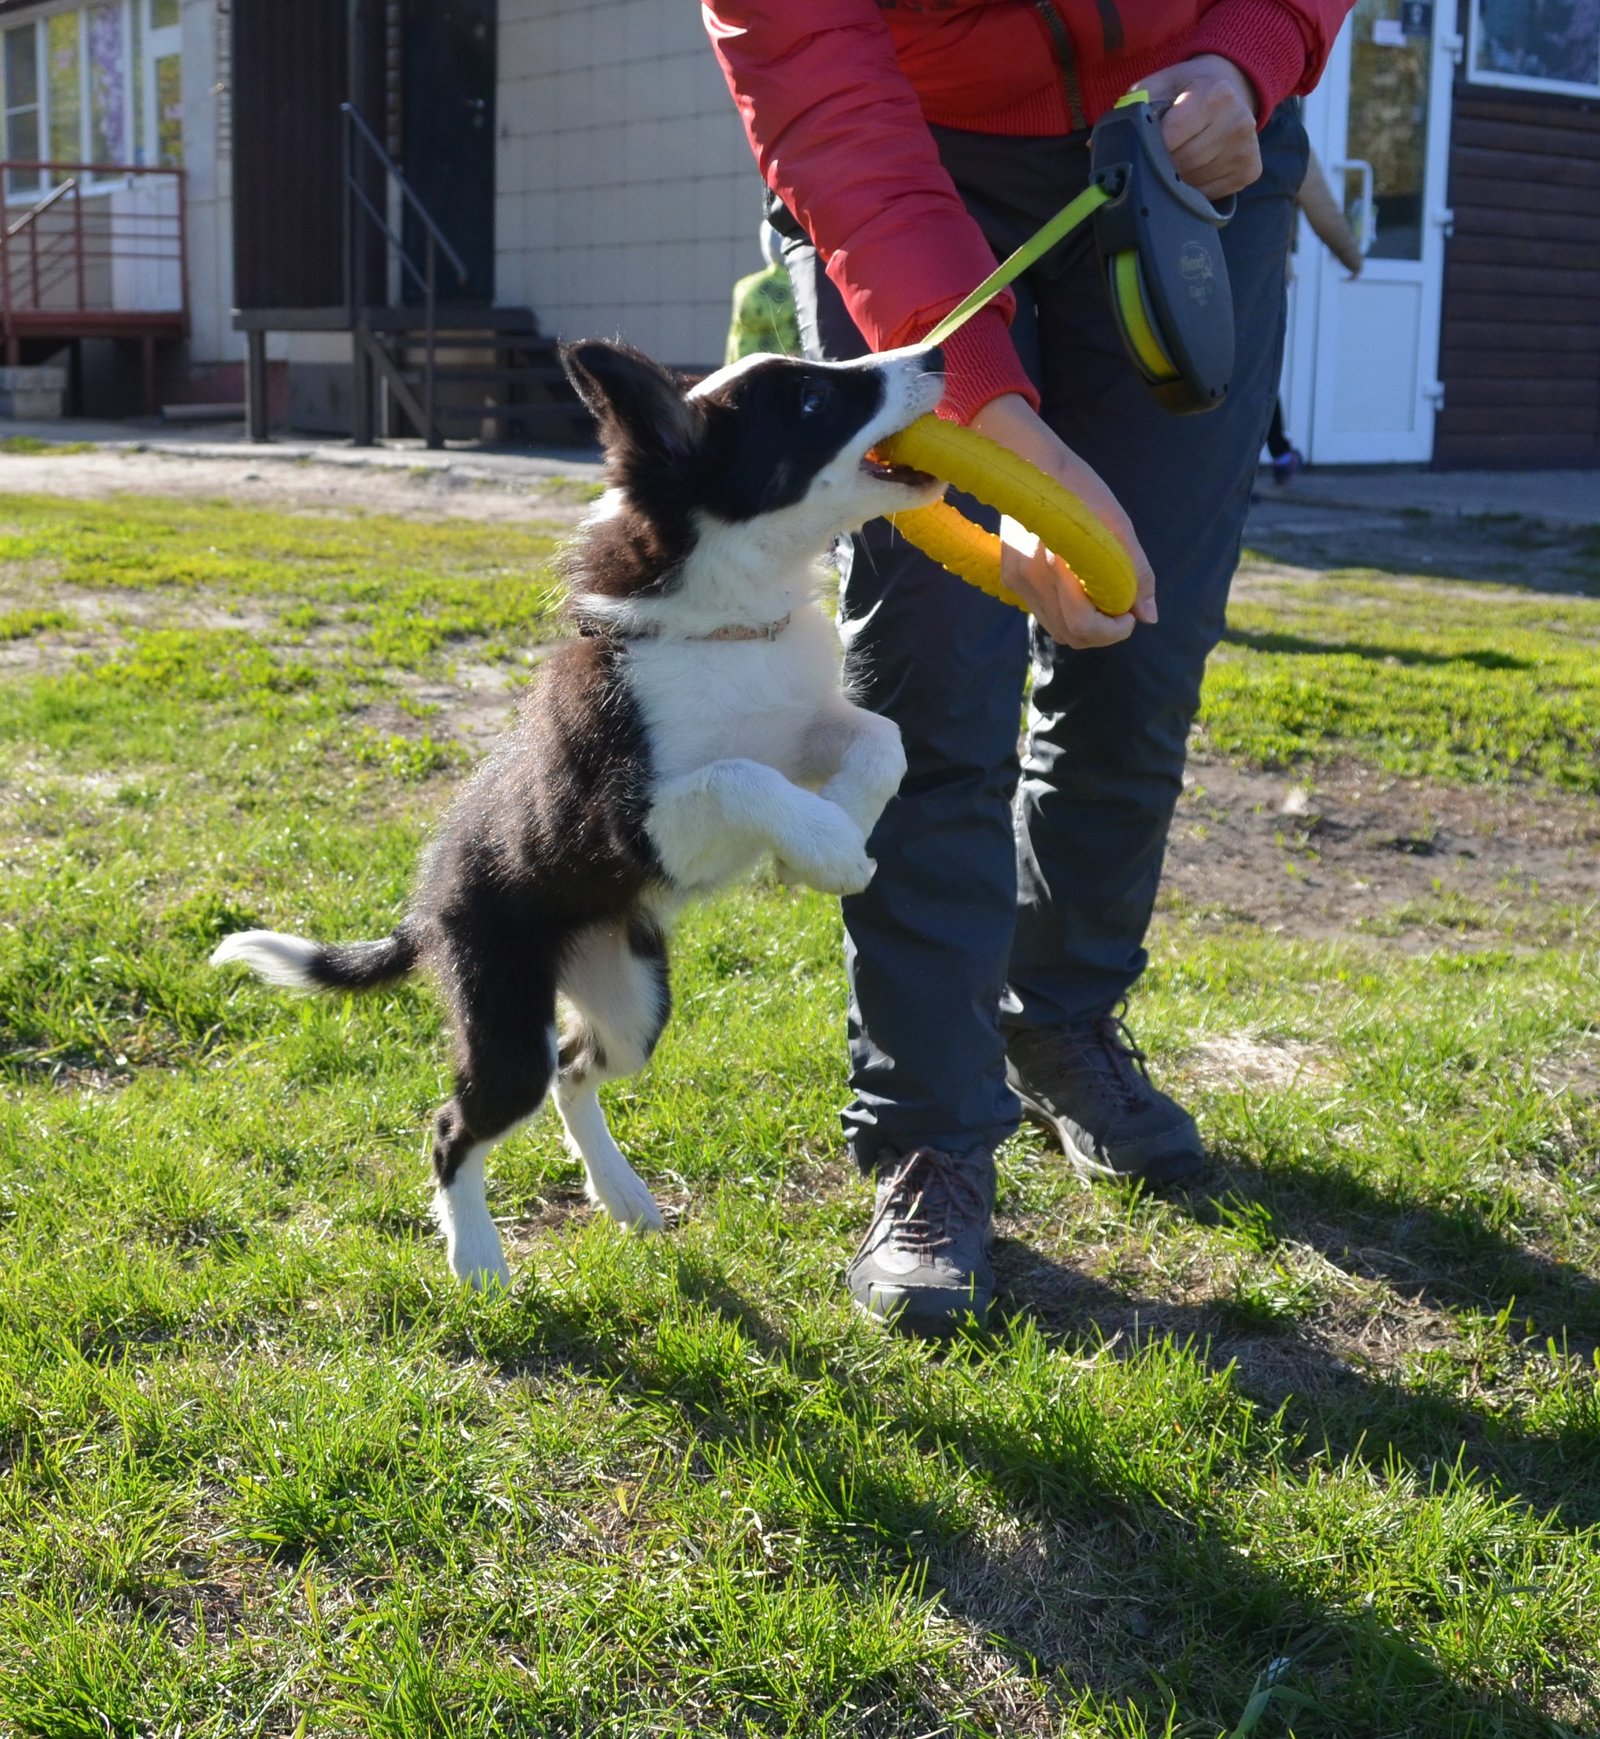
x=37, y=210
x=357, y=132
x=28, y=221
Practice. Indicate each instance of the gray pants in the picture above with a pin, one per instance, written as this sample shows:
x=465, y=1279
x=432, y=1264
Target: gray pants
x=1002, y=904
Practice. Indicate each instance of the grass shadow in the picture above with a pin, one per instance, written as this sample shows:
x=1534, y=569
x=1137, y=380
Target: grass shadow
x=1375, y=653
x=1097, y=1581
x=1439, y=1256
x=1523, y=555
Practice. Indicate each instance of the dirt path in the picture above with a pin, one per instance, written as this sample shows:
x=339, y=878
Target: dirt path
x=461, y=488
x=1495, y=547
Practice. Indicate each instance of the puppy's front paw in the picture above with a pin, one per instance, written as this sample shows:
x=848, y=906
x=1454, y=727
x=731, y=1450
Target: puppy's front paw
x=844, y=875
x=831, y=855
x=841, y=877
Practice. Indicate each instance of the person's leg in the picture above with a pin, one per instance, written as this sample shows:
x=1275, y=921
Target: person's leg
x=1277, y=440
x=928, y=941
x=1104, y=760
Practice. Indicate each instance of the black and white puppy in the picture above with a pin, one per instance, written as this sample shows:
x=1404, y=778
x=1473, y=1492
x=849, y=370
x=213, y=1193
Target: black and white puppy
x=696, y=724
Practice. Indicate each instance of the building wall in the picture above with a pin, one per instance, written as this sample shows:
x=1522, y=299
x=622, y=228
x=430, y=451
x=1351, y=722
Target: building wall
x=627, y=200
x=208, y=162
x=1520, y=336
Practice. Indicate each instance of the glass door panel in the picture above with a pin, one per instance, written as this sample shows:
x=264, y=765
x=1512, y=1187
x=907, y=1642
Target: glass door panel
x=1387, y=123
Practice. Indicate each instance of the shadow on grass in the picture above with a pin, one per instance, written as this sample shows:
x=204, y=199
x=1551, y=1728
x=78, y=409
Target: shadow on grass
x=1327, y=1402
x=1374, y=652
x=1444, y=1257
x=1445, y=1254
x=1101, y=1579
x=1520, y=555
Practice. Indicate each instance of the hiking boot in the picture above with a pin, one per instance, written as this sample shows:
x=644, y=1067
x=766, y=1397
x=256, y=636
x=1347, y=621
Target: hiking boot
x=1090, y=1087
x=923, y=1265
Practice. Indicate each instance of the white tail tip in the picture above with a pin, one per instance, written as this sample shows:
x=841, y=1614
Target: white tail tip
x=272, y=956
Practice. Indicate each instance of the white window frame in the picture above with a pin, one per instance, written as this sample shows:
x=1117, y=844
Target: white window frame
x=41, y=139
x=1514, y=81
x=142, y=120
x=155, y=45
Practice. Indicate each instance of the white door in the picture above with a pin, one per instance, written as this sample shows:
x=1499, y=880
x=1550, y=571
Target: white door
x=1361, y=371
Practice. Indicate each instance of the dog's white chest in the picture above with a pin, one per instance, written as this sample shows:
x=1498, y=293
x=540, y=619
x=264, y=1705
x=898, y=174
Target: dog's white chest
x=703, y=701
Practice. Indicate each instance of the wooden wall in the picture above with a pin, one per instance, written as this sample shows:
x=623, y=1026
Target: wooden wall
x=1519, y=345
x=291, y=71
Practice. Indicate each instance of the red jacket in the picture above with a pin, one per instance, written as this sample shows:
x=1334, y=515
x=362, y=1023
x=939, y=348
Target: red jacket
x=835, y=95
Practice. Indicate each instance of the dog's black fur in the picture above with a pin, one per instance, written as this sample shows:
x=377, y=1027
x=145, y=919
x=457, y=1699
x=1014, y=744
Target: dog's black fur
x=548, y=848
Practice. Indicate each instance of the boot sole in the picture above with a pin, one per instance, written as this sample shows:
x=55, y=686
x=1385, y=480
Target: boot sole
x=904, y=1317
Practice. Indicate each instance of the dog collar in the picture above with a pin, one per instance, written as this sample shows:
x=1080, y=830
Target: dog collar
x=593, y=630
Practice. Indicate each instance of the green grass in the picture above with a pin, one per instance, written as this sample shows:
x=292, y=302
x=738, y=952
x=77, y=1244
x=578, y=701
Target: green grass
x=1448, y=681
x=20, y=624
x=1315, y=1451
x=30, y=446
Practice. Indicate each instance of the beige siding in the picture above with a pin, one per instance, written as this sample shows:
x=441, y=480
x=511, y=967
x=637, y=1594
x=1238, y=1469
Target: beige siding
x=627, y=200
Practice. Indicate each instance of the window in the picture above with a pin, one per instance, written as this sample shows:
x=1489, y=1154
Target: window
x=169, y=111
x=100, y=83
x=161, y=82
x=64, y=86
x=1391, y=50
x=1539, y=45
x=108, y=85
x=21, y=64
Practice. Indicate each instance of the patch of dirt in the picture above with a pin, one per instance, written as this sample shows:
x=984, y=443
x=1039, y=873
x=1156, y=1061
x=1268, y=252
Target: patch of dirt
x=1323, y=540
x=100, y=620
x=475, y=707
x=1411, y=862
x=459, y=490
x=1243, y=1060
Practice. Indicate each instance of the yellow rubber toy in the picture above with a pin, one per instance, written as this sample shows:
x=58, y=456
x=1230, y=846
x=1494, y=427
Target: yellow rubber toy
x=994, y=474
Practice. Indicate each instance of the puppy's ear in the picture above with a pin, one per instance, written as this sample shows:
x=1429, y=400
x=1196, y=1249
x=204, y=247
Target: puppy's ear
x=637, y=403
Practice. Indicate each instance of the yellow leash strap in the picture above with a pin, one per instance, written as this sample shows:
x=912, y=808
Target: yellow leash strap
x=1014, y=265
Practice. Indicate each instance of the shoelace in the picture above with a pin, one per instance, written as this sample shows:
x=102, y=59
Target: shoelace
x=1110, y=1044
x=925, y=1191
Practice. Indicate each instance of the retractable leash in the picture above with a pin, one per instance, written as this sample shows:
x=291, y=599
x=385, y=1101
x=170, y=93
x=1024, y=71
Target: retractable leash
x=1160, y=245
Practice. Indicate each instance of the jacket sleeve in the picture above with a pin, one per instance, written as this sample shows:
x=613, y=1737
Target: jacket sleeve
x=839, y=134
x=1280, y=45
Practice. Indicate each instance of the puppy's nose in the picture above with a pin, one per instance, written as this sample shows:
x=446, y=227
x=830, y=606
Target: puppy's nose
x=933, y=360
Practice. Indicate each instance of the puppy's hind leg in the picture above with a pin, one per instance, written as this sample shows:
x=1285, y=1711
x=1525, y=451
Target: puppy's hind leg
x=615, y=977
x=505, y=1057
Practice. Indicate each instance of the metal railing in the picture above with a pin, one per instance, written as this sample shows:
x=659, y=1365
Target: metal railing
x=104, y=249
x=359, y=138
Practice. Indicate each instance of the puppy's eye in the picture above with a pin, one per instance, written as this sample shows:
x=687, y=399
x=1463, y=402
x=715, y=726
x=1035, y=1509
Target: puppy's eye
x=812, y=400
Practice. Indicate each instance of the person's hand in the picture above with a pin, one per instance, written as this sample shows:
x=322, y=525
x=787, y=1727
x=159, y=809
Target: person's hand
x=1040, y=578
x=1210, y=130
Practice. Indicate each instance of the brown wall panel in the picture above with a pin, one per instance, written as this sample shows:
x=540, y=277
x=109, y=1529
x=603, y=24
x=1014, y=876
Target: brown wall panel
x=1513, y=452
x=1502, y=394
x=291, y=71
x=1520, y=333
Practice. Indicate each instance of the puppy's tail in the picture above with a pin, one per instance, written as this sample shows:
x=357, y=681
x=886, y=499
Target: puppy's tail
x=301, y=965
